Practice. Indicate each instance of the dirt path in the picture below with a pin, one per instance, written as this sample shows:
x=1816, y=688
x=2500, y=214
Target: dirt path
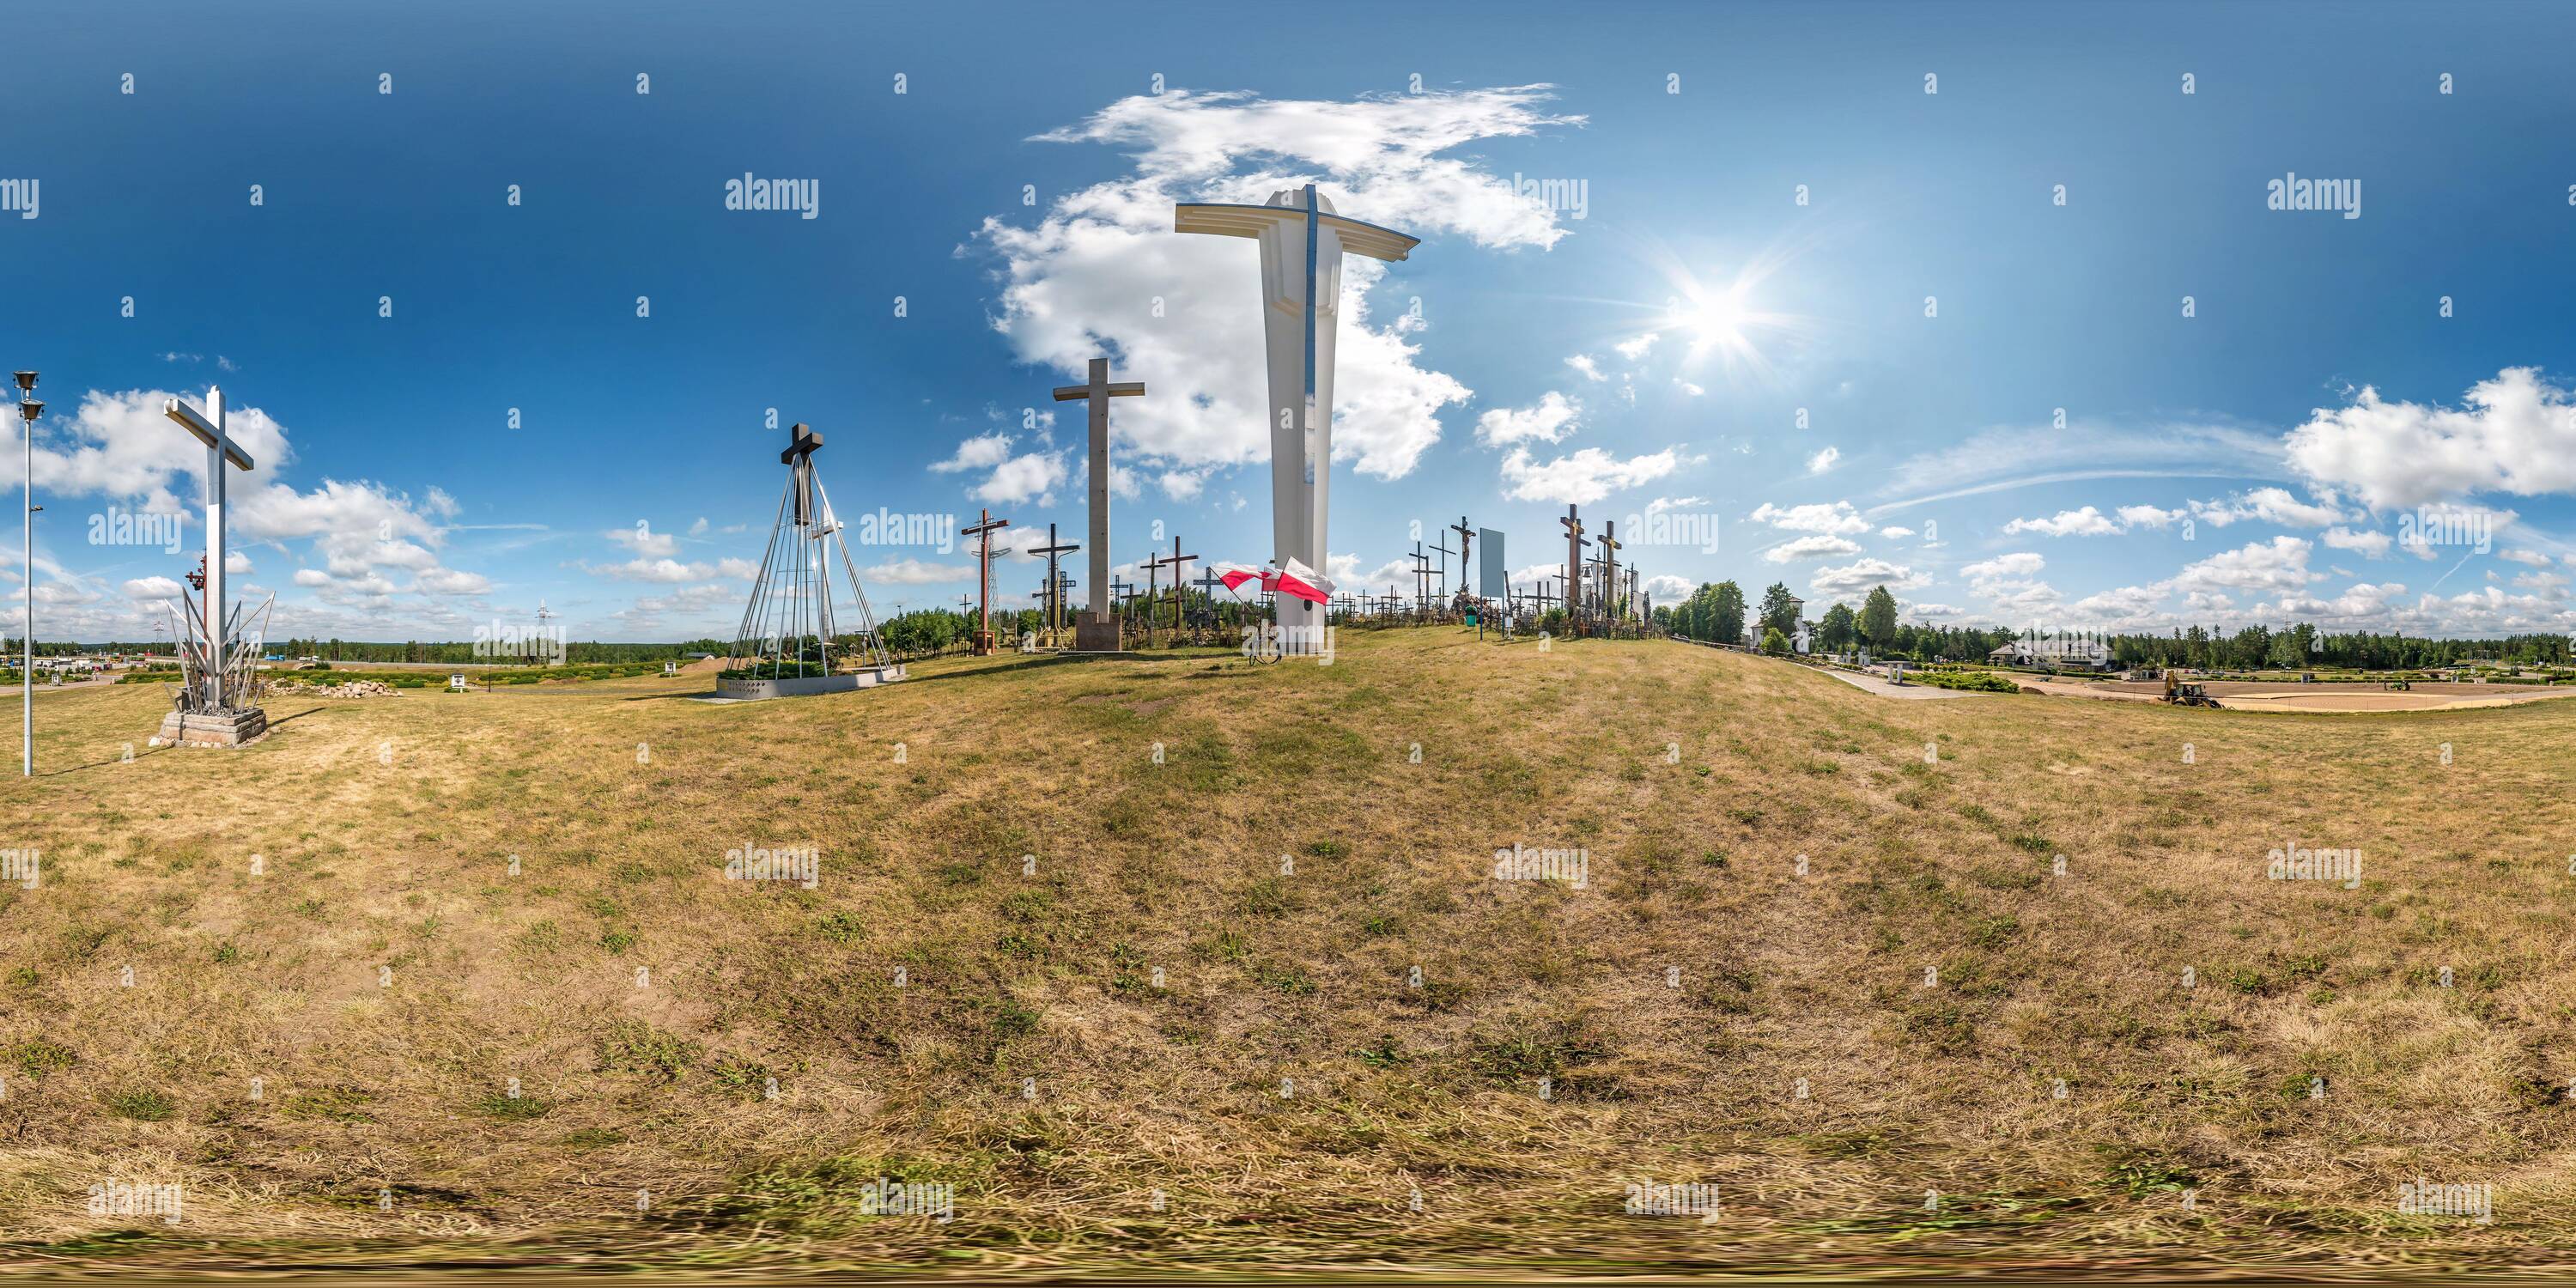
x=1909, y=692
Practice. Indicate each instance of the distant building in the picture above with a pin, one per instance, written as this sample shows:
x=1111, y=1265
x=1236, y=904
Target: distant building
x=2063, y=654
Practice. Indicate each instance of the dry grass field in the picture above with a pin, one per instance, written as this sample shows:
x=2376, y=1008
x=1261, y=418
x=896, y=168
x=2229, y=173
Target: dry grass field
x=1192, y=1036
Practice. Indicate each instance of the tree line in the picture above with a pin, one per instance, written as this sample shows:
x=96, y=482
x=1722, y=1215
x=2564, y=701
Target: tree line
x=1717, y=612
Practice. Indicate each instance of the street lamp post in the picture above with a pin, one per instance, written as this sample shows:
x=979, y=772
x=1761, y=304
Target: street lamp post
x=28, y=410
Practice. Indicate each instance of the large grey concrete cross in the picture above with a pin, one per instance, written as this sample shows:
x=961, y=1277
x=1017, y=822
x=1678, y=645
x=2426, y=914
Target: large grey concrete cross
x=1098, y=391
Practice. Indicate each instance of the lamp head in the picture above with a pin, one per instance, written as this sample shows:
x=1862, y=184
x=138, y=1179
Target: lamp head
x=26, y=380
x=30, y=409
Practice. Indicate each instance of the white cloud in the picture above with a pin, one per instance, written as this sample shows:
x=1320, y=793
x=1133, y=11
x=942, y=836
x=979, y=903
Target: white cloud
x=1824, y=460
x=1837, y=518
x=1634, y=349
x=915, y=572
x=1667, y=588
x=1022, y=478
x=981, y=452
x=1073, y=284
x=2010, y=583
x=1857, y=578
x=2087, y=522
x=120, y=447
x=448, y=581
x=2527, y=558
x=2271, y=505
x=1550, y=419
x=1583, y=362
x=2277, y=566
x=1816, y=547
x=2125, y=608
x=150, y=589
x=1582, y=477
x=1687, y=387
x=2514, y=433
x=643, y=540
x=1893, y=533
x=2018, y=565
x=2147, y=516
x=2371, y=544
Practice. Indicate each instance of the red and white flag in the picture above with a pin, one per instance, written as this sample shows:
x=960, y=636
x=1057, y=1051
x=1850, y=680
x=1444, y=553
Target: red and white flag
x=1302, y=582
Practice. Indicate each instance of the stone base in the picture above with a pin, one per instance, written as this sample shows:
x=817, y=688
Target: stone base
x=983, y=644
x=1091, y=635
x=802, y=686
x=230, y=729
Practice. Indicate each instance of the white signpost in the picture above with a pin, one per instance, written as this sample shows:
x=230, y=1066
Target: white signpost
x=1302, y=243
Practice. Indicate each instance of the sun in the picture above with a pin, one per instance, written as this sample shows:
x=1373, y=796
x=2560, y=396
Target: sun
x=1716, y=321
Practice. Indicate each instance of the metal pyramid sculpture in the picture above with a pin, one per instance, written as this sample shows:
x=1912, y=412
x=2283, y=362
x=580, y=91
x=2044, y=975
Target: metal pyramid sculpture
x=793, y=639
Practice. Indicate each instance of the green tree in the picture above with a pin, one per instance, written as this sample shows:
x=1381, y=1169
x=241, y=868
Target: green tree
x=1773, y=642
x=1878, y=618
x=1728, y=608
x=1780, y=610
x=1837, y=629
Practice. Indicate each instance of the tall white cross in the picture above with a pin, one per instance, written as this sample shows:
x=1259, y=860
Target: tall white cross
x=1302, y=243
x=209, y=429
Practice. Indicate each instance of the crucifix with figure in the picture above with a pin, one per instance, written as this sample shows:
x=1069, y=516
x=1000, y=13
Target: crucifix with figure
x=1097, y=632
x=215, y=710
x=1466, y=546
x=983, y=533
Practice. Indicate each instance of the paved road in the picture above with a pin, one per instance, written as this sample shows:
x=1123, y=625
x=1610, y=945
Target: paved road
x=1910, y=692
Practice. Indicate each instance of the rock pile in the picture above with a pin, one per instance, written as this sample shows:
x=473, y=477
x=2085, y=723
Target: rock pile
x=351, y=689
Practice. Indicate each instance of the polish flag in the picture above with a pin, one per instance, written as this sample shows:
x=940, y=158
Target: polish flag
x=1302, y=582
x=1298, y=582
x=1234, y=575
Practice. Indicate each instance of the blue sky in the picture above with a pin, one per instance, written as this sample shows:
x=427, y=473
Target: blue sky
x=1017, y=195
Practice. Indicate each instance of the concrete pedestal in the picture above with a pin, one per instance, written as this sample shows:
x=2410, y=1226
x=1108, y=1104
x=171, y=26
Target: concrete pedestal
x=804, y=686
x=1093, y=635
x=228, y=729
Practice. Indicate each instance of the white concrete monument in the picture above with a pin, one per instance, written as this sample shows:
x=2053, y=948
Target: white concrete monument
x=1302, y=244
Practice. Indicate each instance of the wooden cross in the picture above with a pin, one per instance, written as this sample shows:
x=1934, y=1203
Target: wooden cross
x=1098, y=391
x=983, y=531
x=1052, y=550
x=1574, y=544
x=1421, y=577
x=1174, y=562
x=209, y=429
x=1610, y=567
x=1445, y=552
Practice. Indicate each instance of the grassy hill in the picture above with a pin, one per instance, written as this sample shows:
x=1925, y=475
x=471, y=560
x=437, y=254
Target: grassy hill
x=1266, y=844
